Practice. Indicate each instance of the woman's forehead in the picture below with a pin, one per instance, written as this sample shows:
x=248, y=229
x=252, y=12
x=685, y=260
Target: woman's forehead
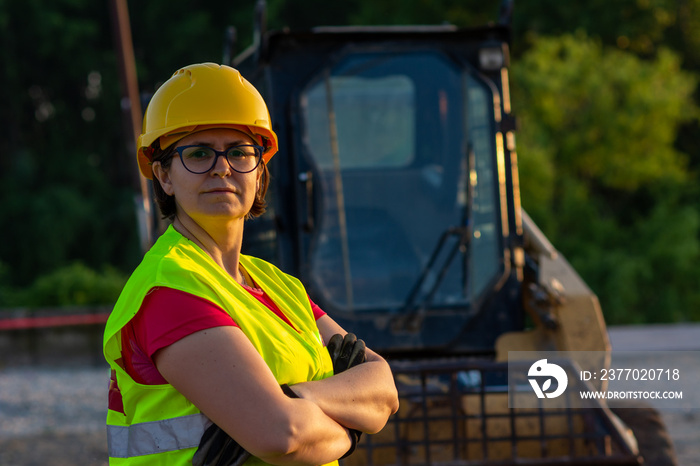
x=212, y=136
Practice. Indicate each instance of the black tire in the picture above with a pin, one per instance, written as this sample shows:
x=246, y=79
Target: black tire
x=655, y=445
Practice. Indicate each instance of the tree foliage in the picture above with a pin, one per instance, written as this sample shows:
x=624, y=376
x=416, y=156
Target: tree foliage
x=608, y=153
x=640, y=26
x=61, y=177
x=600, y=172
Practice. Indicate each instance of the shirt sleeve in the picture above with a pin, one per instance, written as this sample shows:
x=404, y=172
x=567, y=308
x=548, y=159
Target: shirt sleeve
x=165, y=316
x=168, y=315
x=318, y=312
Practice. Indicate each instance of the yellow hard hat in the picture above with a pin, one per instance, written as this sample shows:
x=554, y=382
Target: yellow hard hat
x=198, y=97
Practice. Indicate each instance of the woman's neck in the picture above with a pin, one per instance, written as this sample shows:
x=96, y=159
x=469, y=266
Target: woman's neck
x=221, y=241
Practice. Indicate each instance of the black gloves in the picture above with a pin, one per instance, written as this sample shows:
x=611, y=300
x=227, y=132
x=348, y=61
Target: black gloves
x=346, y=352
x=218, y=449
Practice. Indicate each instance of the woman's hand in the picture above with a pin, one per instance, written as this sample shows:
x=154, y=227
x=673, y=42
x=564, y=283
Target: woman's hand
x=345, y=351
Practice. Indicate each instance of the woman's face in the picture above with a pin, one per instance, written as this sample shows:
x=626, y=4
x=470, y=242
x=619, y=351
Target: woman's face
x=219, y=193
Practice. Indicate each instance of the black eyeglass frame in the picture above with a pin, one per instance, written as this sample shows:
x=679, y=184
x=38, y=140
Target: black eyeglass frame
x=221, y=153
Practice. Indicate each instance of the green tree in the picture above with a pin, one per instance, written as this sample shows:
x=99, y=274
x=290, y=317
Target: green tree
x=62, y=189
x=593, y=158
x=640, y=26
x=600, y=172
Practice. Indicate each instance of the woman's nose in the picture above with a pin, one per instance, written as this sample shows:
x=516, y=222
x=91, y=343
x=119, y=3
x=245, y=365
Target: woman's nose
x=221, y=167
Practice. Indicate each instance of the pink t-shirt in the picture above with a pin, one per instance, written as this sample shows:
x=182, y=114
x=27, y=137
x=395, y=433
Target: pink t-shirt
x=168, y=315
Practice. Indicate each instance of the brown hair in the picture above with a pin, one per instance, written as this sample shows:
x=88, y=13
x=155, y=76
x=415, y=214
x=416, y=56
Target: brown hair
x=166, y=203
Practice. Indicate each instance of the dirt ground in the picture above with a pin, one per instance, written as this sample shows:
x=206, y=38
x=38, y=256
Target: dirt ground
x=55, y=449
x=87, y=446
x=55, y=415
x=684, y=428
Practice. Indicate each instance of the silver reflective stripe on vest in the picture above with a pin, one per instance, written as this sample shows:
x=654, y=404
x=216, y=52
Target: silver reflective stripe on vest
x=148, y=438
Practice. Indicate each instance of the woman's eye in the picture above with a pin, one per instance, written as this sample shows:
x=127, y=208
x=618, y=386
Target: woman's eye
x=198, y=154
x=237, y=153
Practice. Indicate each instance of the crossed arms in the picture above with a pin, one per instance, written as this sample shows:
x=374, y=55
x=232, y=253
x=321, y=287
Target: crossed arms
x=220, y=371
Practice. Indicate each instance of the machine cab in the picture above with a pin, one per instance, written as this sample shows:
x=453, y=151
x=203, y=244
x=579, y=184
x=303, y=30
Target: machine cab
x=392, y=195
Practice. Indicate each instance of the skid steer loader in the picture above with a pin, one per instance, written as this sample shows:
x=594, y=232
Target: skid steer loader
x=396, y=201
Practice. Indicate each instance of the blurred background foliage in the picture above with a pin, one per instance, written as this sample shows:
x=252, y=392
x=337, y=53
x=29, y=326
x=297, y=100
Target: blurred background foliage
x=606, y=95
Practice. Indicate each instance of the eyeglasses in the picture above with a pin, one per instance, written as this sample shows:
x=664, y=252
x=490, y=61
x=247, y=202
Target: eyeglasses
x=201, y=159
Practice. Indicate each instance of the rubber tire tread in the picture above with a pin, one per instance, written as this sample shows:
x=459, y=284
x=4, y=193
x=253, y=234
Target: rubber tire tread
x=655, y=444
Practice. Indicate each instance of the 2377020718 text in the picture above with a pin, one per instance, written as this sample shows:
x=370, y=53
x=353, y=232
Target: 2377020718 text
x=632, y=374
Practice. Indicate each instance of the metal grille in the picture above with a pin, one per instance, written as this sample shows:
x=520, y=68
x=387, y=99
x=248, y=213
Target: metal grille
x=456, y=413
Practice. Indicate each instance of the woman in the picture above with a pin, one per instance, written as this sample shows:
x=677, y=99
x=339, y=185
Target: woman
x=204, y=338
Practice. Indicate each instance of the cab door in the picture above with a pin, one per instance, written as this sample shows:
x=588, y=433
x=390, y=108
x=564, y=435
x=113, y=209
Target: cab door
x=407, y=233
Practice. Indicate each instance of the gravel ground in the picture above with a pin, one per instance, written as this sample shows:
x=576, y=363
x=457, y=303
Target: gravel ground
x=684, y=429
x=55, y=415
x=682, y=424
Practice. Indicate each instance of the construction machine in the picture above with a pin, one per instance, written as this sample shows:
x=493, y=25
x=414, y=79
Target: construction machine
x=396, y=201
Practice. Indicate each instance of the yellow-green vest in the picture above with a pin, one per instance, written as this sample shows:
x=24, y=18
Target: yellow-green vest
x=159, y=425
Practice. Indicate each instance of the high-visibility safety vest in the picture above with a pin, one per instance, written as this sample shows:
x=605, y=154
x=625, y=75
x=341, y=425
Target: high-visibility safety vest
x=160, y=426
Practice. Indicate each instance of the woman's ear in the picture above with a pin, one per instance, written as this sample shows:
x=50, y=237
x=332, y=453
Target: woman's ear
x=259, y=180
x=163, y=177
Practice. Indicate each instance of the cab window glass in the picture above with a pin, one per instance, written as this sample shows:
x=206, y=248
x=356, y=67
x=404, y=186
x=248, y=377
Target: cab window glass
x=388, y=135
x=374, y=120
x=486, y=233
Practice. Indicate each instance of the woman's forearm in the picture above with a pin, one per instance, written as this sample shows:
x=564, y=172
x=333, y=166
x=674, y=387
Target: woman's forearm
x=308, y=437
x=221, y=373
x=361, y=398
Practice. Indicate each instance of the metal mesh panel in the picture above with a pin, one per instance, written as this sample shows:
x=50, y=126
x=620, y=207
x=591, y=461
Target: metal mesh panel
x=456, y=413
